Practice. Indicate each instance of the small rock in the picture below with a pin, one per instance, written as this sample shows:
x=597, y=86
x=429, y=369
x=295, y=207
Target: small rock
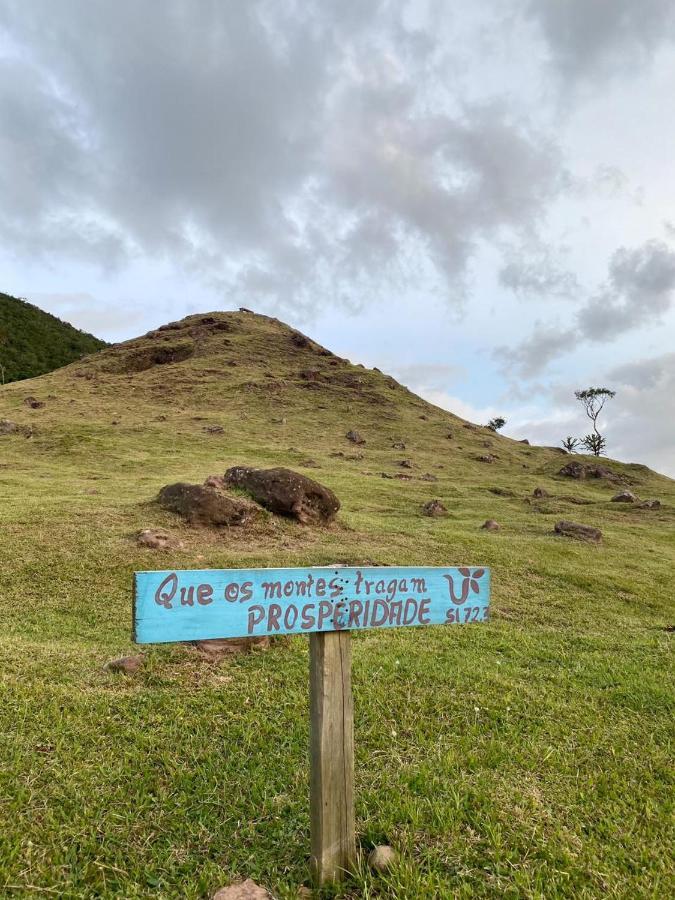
x=486, y=458
x=215, y=481
x=449, y=436
x=214, y=429
x=215, y=649
x=310, y=464
x=539, y=492
x=128, y=665
x=398, y=445
x=245, y=890
x=34, y=403
x=299, y=340
x=405, y=463
x=490, y=525
x=624, y=497
x=7, y=427
x=355, y=437
x=424, y=418
x=434, y=508
x=650, y=504
x=382, y=858
x=428, y=476
x=581, y=532
x=486, y=443
x=156, y=539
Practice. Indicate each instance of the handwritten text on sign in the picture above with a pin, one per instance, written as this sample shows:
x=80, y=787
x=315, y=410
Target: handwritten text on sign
x=223, y=603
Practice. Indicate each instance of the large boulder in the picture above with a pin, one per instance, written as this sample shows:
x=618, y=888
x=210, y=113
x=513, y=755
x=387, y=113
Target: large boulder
x=202, y=504
x=287, y=493
x=581, y=532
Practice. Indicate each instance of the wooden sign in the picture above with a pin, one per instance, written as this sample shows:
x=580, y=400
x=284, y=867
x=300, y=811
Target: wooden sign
x=326, y=604
x=228, y=603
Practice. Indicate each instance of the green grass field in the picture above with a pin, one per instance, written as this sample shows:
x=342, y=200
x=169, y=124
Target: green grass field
x=528, y=757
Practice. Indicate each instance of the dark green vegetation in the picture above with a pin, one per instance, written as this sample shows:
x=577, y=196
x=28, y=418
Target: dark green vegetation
x=33, y=342
x=528, y=757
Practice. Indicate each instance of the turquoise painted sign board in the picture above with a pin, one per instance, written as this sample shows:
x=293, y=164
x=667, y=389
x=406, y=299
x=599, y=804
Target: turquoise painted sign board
x=227, y=603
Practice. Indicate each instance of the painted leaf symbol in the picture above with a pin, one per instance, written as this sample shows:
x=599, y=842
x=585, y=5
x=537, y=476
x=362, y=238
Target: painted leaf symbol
x=478, y=573
x=474, y=586
x=465, y=572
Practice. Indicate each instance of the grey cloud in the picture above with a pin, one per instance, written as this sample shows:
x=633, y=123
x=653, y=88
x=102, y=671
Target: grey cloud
x=535, y=273
x=602, y=37
x=533, y=355
x=640, y=288
x=642, y=424
x=282, y=152
x=645, y=374
x=638, y=291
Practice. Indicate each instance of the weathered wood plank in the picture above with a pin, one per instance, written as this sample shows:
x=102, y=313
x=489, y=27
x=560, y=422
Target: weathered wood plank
x=333, y=832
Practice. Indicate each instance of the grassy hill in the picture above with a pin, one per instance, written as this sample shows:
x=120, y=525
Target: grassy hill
x=33, y=342
x=527, y=757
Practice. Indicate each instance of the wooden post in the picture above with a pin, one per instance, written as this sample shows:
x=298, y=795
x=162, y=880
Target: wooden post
x=333, y=833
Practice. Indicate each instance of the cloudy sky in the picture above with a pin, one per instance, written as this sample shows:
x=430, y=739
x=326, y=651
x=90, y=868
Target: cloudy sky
x=476, y=197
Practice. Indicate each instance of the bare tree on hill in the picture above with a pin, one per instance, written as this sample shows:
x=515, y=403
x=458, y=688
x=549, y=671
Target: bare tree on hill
x=593, y=400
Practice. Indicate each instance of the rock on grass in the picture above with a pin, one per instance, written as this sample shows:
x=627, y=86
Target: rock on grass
x=434, y=508
x=245, y=890
x=201, y=504
x=624, y=497
x=580, y=532
x=490, y=525
x=581, y=472
x=355, y=437
x=127, y=665
x=286, y=493
x=216, y=649
x=157, y=539
x=382, y=857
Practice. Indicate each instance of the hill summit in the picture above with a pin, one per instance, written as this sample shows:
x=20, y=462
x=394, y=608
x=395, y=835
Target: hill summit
x=33, y=342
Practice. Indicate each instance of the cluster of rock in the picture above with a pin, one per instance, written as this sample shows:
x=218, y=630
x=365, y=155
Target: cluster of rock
x=7, y=427
x=630, y=497
x=582, y=471
x=279, y=490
